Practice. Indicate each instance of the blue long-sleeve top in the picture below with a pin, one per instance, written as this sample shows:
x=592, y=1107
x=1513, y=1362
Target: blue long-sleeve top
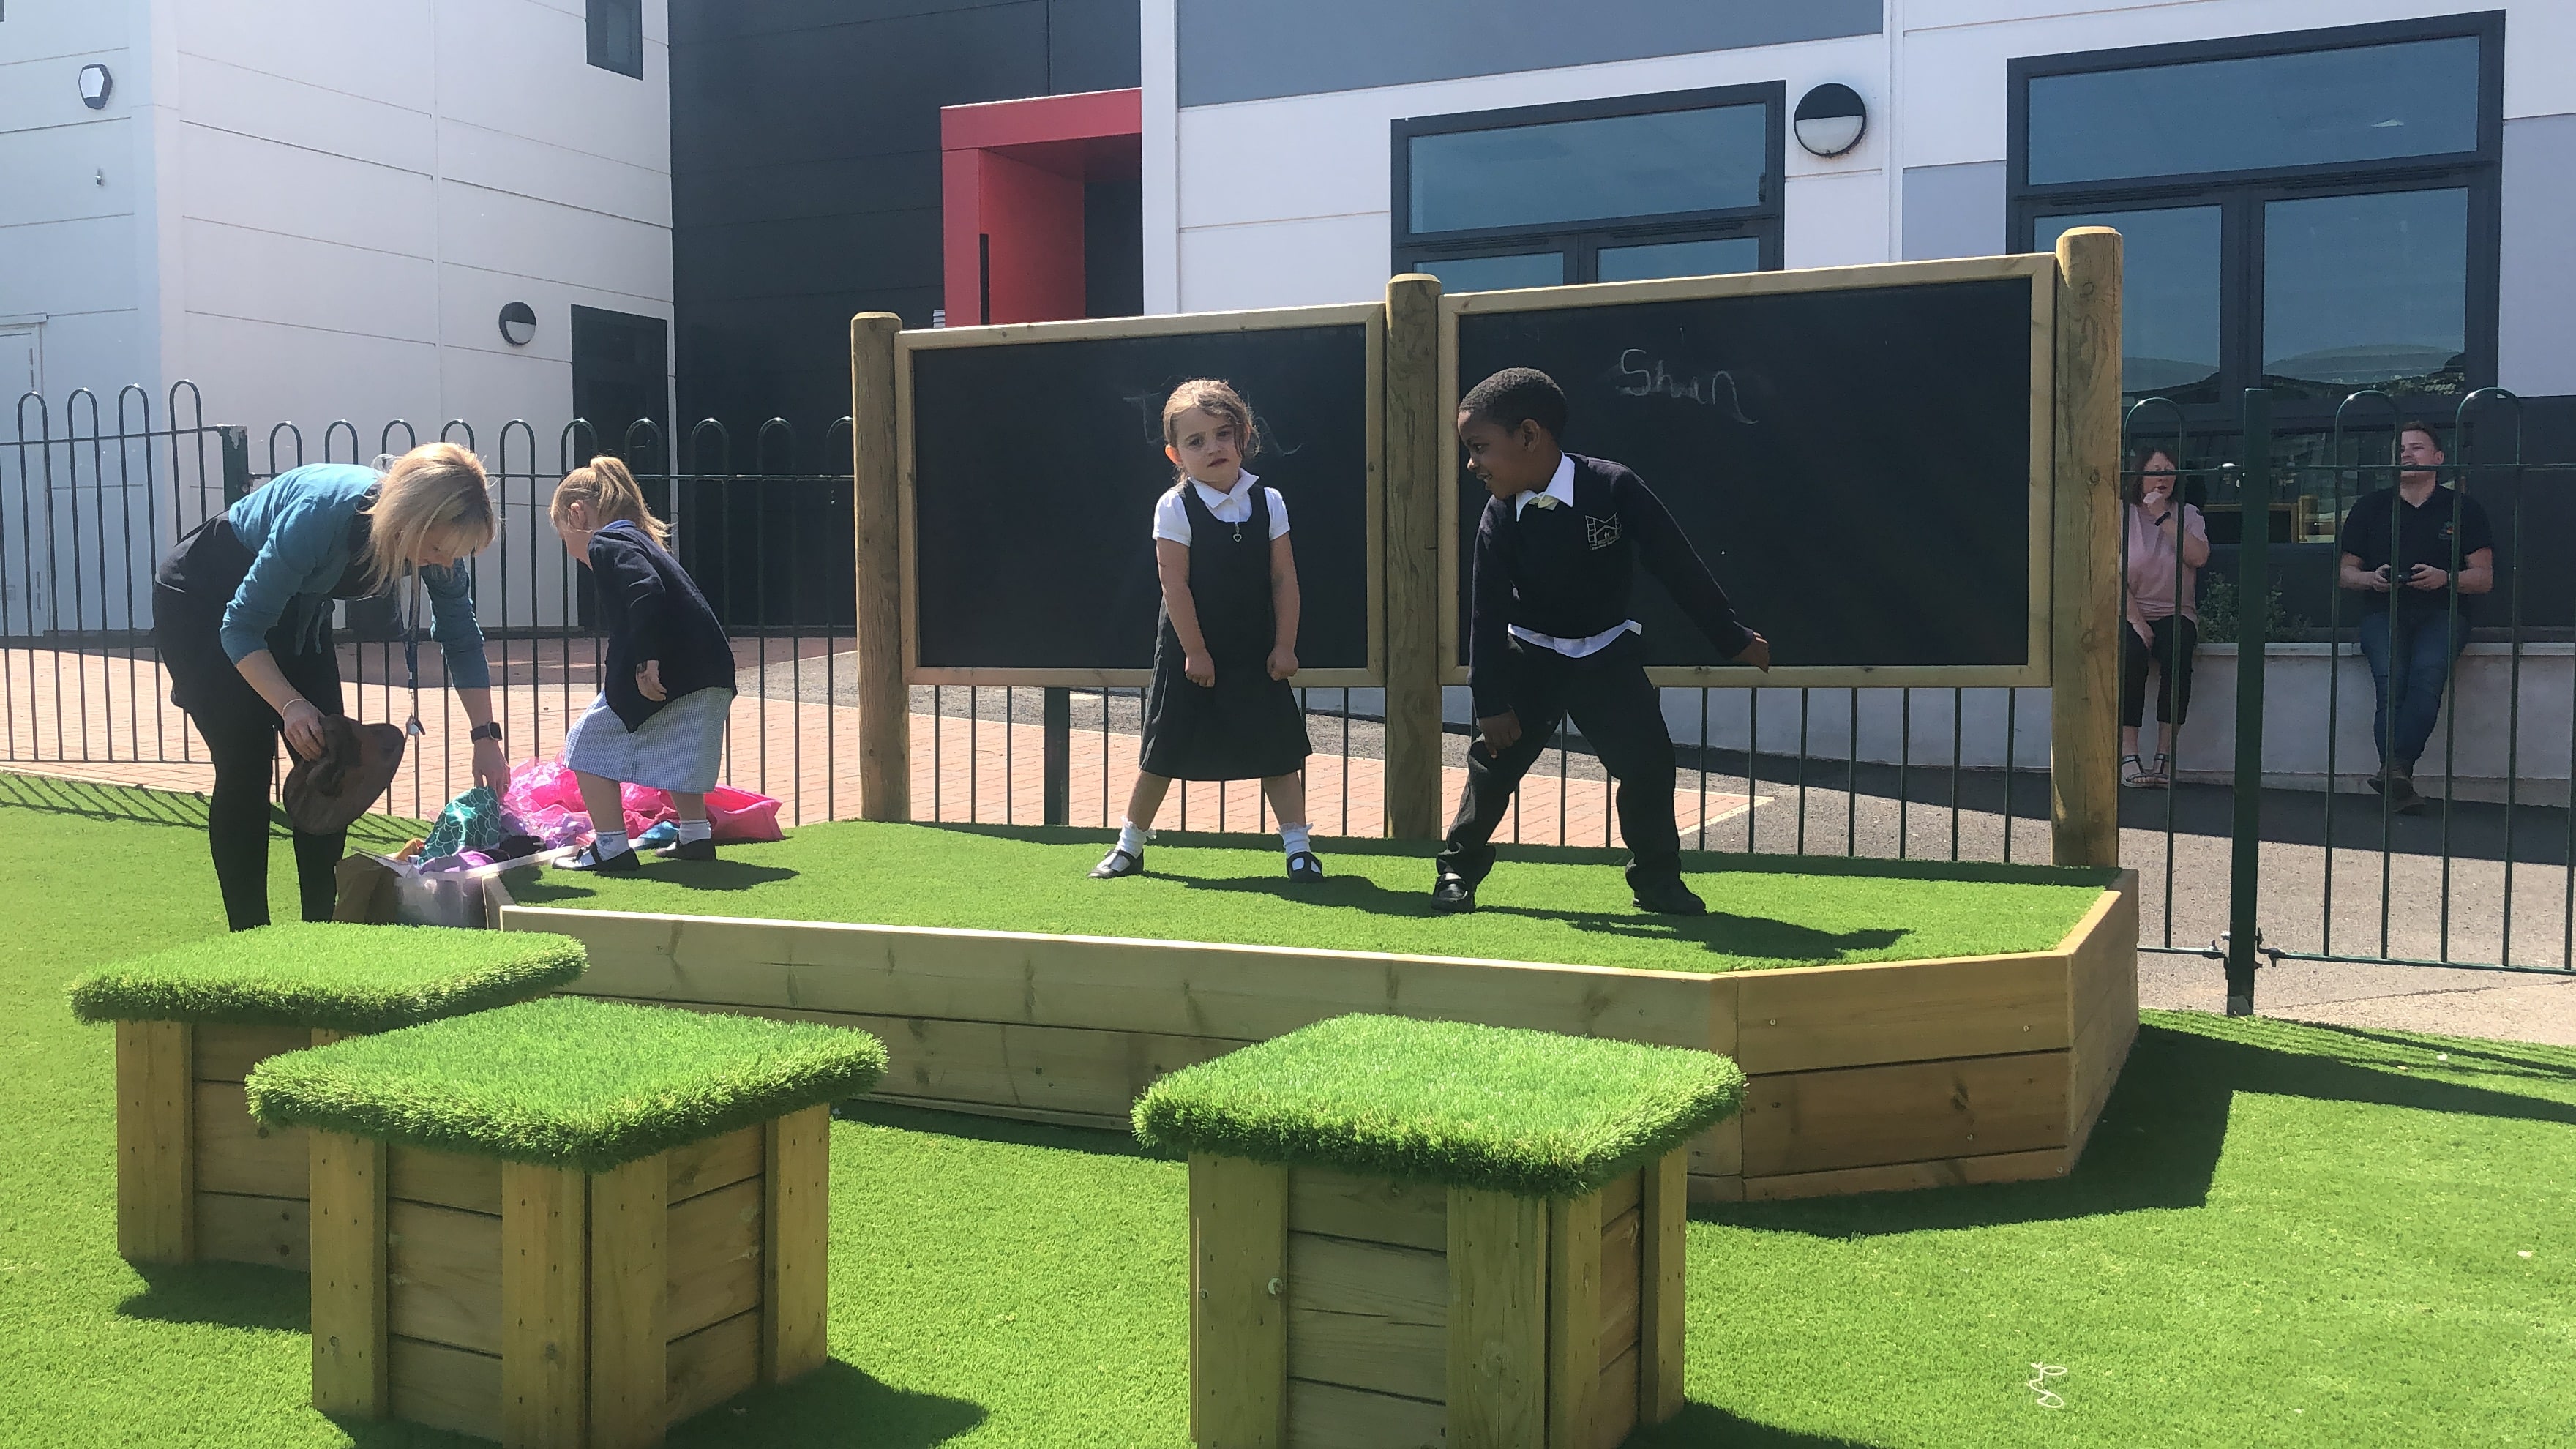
x=296, y=528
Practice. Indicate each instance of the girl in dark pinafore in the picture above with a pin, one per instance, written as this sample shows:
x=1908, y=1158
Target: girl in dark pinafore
x=1221, y=707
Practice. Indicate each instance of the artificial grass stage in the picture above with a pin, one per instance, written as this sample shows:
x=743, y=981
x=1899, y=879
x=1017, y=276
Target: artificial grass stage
x=566, y=1082
x=2281, y=1235
x=1540, y=904
x=1525, y=1112
x=331, y=974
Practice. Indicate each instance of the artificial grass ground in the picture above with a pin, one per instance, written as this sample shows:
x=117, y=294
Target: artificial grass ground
x=332, y=974
x=1540, y=904
x=1530, y=1113
x=2281, y=1235
x=566, y=1082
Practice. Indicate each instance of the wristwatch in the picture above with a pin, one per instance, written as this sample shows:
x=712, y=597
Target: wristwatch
x=485, y=732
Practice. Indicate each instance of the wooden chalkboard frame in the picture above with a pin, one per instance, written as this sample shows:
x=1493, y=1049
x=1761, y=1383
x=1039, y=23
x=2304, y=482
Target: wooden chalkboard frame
x=2039, y=269
x=1369, y=315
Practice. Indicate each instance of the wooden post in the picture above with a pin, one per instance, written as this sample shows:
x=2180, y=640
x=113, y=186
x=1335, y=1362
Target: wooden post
x=545, y=1359
x=885, y=704
x=2084, y=645
x=1573, y=1321
x=1498, y=1320
x=348, y=1257
x=1238, y=1303
x=629, y=1273
x=156, y=1157
x=797, y=1207
x=1663, y=1221
x=1415, y=434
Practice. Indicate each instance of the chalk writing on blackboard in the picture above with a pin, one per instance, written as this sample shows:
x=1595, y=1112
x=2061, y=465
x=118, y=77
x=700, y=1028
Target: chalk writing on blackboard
x=1641, y=377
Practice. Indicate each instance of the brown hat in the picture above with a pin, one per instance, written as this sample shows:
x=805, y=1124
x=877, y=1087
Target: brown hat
x=357, y=763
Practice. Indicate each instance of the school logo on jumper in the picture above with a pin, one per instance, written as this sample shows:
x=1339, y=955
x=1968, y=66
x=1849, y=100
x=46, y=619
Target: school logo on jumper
x=1600, y=532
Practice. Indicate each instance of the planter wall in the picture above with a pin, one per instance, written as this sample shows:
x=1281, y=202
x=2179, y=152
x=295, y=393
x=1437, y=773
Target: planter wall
x=196, y=1176
x=544, y=1306
x=1893, y=1074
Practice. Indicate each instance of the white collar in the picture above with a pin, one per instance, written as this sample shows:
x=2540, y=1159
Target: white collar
x=1241, y=492
x=1559, y=487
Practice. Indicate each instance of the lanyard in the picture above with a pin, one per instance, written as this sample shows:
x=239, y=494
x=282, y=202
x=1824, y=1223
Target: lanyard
x=411, y=653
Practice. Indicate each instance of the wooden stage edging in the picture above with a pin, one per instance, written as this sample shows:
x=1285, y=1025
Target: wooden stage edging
x=1869, y=1077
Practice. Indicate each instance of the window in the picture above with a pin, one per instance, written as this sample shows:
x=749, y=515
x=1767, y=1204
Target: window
x=617, y=36
x=2314, y=213
x=1679, y=184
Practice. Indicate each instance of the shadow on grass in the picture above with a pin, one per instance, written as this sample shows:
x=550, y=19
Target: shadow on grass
x=834, y=1405
x=1098, y=1141
x=232, y=1295
x=1705, y=1426
x=141, y=805
x=1760, y=938
x=2158, y=1140
x=553, y=887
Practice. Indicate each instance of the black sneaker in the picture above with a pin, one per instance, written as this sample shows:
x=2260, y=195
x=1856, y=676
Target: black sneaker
x=1305, y=869
x=1453, y=894
x=589, y=858
x=688, y=850
x=1667, y=896
x=2403, y=797
x=1119, y=862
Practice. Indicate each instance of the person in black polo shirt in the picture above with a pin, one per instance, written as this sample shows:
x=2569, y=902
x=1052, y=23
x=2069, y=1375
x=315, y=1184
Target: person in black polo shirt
x=2412, y=626
x=1549, y=633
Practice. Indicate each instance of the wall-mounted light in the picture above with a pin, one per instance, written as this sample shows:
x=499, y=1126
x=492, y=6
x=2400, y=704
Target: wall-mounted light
x=1830, y=119
x=95, y=84
x=518, y=323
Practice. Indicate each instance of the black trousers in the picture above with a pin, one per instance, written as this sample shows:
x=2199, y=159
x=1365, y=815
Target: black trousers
x=241, y=734
x=2176, y=639
x=1620, y=715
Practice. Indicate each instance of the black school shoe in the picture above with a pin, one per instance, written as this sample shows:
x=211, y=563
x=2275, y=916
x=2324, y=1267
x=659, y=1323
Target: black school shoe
x=589, y=858
x=1305, y=869
x=1666, y=896
x=1453, y=894
x=1117, y=863
x=688, y=850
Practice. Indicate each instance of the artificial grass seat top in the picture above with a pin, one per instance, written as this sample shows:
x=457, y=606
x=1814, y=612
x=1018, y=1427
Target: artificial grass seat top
x=566, y=1081
x=1496, y=1108
x=331, y=974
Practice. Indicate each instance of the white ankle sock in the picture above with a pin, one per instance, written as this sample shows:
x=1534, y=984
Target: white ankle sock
x=1292, y=838
x=697, y=830
x=1131, y=839
x=609, y=843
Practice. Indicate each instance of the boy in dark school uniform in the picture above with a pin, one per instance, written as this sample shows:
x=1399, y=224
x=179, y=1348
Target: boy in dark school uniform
x=1549, y=633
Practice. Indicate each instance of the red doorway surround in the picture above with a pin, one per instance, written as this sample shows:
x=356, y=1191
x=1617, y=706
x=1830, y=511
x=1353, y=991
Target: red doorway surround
x=1012, y=176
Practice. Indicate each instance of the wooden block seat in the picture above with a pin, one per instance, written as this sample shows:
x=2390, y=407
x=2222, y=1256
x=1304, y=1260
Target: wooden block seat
x=567, y=1222
x=1422, y=1233
x=196, y=1176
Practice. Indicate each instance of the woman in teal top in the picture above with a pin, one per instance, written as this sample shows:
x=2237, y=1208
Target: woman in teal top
x=241, y=612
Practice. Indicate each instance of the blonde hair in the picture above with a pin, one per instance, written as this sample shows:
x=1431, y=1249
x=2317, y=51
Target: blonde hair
x=613, y=496
x=435, y=489
x=1218, y=400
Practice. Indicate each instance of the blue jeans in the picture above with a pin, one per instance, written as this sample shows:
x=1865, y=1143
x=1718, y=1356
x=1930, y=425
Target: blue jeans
x=2409, y=679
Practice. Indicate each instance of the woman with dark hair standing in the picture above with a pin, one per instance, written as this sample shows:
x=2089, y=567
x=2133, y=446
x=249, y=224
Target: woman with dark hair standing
x=2167, y=543
x=241, y=614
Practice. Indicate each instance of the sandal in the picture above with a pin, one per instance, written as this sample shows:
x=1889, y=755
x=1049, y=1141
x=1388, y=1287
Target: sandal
x=1118, y=863
x=2134, y=774
x=2163, y=771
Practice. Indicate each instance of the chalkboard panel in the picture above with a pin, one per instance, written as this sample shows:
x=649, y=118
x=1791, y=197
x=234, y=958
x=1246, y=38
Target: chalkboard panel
x=1863, y=467
x=1035, y=459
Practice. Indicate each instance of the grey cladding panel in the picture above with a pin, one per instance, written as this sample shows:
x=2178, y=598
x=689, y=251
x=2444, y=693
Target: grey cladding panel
x=1244, y=50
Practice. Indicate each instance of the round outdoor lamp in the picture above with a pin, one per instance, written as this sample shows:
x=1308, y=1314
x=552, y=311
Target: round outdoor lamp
x=1830, y=119
x=518, y=324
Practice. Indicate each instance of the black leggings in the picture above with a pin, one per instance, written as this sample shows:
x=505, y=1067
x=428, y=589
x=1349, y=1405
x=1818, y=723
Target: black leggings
x=241, y=734
x=2176, y=639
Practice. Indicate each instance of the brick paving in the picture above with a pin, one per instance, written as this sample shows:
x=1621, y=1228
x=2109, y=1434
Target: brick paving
x=104, y=716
